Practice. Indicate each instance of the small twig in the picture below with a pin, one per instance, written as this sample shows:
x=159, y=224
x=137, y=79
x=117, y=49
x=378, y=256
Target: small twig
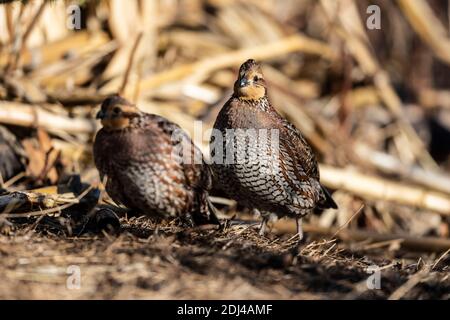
x=21, y=114
x=223, y=201
x=9, y=23
x=427, y=25
x=440, y=259
x=13, y=180
x=348, y=221
x=130, y=63
x=102, y=191
x=375, y=188
x=329, y=249
x=137, y=88
x=381, y=244
x=26, y=34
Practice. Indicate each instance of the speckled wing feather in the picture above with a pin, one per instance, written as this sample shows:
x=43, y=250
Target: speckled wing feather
x=305, y=166
x=147, y=171
x=304, y=158
x=136, y=161
x=197, y=173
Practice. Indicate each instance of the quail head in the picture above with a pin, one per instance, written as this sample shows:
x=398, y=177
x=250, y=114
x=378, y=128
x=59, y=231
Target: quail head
x=151, y=165
x=260, y=159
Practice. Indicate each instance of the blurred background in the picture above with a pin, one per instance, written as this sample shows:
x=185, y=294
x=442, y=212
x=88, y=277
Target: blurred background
x=367, y=82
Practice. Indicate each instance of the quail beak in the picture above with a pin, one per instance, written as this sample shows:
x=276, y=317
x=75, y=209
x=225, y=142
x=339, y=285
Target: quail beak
x=243, y=82
x=100, y=115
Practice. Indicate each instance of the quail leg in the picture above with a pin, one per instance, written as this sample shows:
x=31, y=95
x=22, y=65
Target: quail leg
x=299, y=229
x=263, y=227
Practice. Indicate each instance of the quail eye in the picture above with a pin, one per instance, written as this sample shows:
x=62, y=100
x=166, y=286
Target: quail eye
x=116, y=110
x=255, y=78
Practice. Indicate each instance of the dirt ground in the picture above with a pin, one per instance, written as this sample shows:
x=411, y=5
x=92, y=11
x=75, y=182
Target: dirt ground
x=172, y=262
x=372, y=100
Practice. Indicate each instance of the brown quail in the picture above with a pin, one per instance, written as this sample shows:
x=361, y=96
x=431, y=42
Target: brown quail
x=151, y=165
x=260, y=159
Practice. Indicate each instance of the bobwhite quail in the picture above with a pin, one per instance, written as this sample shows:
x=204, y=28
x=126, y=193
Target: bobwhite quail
x=150, y=164
x=260, y=159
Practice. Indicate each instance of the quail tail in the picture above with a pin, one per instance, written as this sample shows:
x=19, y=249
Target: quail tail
x=327, y=201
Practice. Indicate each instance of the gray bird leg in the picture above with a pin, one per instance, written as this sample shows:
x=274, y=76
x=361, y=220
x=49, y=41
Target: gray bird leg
x=263, y=227
x=299, y=229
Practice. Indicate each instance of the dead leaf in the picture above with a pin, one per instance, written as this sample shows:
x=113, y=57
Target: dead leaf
x=42, y=157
